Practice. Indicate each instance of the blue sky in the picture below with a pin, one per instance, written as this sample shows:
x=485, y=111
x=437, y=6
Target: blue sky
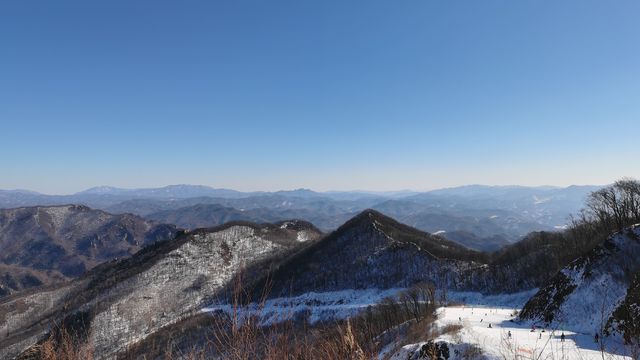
x=266, y=95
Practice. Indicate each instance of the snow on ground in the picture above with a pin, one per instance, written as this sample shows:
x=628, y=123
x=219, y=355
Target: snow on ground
x=302, y=236
x=456, y=352
x=514, y=300
x=321, y=306
x=474, y=316
x=592, y=301
x=523, y=343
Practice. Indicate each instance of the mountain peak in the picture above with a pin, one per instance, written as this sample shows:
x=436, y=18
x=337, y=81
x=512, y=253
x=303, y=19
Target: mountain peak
x=370, y=217
x=398, y=233
x=297, y=225
x=301, y=192
x=102, y=190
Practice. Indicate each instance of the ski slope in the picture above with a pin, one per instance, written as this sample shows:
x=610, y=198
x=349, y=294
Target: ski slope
x=523, y=343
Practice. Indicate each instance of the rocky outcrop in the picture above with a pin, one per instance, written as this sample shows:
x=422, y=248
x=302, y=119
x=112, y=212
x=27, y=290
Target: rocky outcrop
x=626, y=318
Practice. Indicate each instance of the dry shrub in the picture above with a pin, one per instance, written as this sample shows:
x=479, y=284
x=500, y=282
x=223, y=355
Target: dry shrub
x=238, y=333
x=343, y=346
x=450, y=329
x=238, y=336
x=472, y=352
x=60, y=345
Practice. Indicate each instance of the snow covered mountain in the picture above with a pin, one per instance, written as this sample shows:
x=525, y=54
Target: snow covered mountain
x=165, y=287
x=126, y=301
x=181, y=191
x=122, y=302
x=585, y=294
x=384, y=275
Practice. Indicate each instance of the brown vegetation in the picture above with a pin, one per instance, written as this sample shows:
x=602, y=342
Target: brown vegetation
x=239, y=334
x=60, y=345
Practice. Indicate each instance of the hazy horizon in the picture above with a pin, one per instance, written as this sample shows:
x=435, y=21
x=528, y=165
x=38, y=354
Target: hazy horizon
x=68, y=190
x=370, y=191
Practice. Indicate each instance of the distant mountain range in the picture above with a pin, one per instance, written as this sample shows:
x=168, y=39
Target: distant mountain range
x=125, y=284
x=481, y=217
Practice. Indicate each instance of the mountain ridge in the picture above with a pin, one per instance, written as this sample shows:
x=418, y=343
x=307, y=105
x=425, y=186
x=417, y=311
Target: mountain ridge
x=359, y=254
x=125, y=300
x=489, y=213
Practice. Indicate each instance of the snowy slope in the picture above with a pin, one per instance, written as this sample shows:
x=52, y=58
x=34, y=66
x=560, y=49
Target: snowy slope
x=495, y=342
x=586, y=292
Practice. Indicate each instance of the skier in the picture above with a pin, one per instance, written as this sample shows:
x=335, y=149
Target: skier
x=597, y=338
x=540, y=337
x=509, y=334
x=490, y=327
x=562, y=337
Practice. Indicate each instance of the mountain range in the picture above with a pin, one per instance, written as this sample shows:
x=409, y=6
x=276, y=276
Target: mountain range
x=132, y=286
x=480, y=217
x=126, y=302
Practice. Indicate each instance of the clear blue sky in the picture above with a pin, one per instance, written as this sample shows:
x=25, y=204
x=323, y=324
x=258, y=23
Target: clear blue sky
x=265, y=95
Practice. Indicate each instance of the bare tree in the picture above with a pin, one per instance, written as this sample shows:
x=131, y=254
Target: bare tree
x=616, y=206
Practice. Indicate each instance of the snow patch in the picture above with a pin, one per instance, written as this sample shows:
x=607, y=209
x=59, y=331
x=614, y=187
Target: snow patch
x=58, y=214
x=322, y=306
x=302, y=236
